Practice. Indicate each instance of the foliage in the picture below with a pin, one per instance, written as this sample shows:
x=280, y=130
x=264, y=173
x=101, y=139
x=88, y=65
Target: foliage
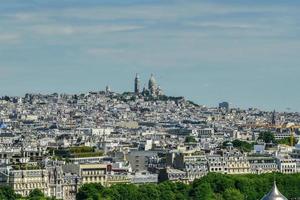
x=166, y=190
x=287, y=141
x=233, y=194
x=267, y=137
x=7, y=193
x=85, y=155
x=190, y=139
x=211, y=187
x=77, y=152
x=37, y=194
x=242, y=145
x=81, y=149
x=193, y=103
x=89, y=191
x=202, y=192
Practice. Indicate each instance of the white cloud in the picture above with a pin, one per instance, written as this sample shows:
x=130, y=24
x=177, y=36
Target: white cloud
x=222, y=25
x=55, y=29
x=9, y=38
x=170, y=11
x=191, y=14
x=103, y=51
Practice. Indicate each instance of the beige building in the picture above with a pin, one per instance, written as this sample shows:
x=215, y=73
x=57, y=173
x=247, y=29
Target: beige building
x=24, y=181
x=117, y=179
x=230, y=163
x=236, y=163
x=93, y=173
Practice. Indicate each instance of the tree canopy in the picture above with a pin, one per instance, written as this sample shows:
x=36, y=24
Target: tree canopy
x=267, y=137
x=241, y=145
x=211, y=187
x=190, y=139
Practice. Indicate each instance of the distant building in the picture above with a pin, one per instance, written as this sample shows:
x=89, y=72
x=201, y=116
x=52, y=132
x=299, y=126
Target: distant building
x=24, y=181
x=205, y=132
x=224, y=105
x=173, y=175
x=216, y=163
x=144, y=177
x=259, y=148
x=273, y=120
x=93, y=173
x=296, y=151
x=107, y=89
x=262, y=164
x=286, y=165
x=153, y=88
x=229, y=163
x=139, y=160
x=137, y=84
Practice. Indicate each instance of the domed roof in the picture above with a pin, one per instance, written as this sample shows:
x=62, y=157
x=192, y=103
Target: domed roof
x=152, y=80
x=274, y=194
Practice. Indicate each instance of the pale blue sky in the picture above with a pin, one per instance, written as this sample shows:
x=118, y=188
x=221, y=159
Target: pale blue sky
x=244, y=52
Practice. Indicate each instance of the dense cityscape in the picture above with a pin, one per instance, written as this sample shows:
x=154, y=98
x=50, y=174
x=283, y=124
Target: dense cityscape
x=58, y=143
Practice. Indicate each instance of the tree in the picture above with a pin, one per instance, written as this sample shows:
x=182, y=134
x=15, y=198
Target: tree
x=287, y=141
x=166, y=191
x=267, y=137
x=89, y=191
x=203, y=192
x=233, y=194
x=239, y=144
x=212, y=186
x=190, y=139
x=148, y=192
x=182, y=190
x=36, y=194
x=7, y=193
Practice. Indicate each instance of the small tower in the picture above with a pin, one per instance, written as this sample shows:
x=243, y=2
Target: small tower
x=137, y=84
x=273, y=118
x=107, y=89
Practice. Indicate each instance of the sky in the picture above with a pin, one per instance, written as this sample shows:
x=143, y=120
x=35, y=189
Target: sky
x=243, y=52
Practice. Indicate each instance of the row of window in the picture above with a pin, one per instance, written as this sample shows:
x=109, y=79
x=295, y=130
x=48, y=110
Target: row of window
x=20, y=186
x=93, y=172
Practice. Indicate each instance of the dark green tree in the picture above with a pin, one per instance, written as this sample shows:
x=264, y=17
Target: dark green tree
x=36, y=194
x=148, y=192
x=267, y=137
x=90, y=191
x=242, y=145
x=233, y=194
x=190, y=139
x=166, y=191
x=203, y=192
x=7, y=193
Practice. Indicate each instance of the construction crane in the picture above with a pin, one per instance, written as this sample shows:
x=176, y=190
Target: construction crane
x=291, y=126
x=292, y=130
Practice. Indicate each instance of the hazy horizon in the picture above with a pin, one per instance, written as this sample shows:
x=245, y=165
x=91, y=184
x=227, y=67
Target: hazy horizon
x=246, y=53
